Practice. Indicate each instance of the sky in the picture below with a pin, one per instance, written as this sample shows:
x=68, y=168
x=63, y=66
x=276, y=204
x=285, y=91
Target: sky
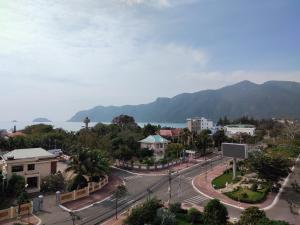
x=61, y=56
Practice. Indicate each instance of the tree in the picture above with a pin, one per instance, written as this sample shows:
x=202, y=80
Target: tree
x=173, y=150
x=53, y=183
x=203, y=141
x=119, y=193
x=251, y=216
x=165, y=217
x=77, y=182
x=195, y=216
x=272, y=168
x=92, y=163
x=15, y=185
x=219, y=137
x=125, y=121
x=150, y=129
x=144, y=213
x=215, y=213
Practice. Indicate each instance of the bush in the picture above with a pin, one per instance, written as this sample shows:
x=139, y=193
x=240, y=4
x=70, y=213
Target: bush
x=77, y=182
x=195, y=216
x=251, y=214
x=215, y=213
x=16, y=185
x=254, y=187
x=53, y=183
x=176, y=208
x=165, y=217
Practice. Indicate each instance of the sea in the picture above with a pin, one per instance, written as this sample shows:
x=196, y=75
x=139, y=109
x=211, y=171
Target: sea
x=76, y=126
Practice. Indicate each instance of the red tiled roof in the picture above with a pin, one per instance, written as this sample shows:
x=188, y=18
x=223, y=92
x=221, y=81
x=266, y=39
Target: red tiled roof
x=170, y=132
x=18, y=133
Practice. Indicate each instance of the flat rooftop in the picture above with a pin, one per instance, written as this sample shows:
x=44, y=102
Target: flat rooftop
x=28, y=153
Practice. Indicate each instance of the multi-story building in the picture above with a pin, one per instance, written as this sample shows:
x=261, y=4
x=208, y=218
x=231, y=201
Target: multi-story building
x=235, y=129
x=31, y=163
x=197, y=124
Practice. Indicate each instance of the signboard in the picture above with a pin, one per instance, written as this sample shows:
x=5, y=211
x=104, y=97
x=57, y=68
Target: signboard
x=234, y=150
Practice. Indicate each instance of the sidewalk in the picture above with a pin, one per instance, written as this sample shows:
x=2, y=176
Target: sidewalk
x=203, y=185
x=174, y=168
x=97, y=196
x=24, y=220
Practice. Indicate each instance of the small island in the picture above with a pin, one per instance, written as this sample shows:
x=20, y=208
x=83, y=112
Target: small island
x=41, y=120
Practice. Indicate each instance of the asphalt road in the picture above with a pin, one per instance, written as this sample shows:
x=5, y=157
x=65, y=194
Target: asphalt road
x=181, y=191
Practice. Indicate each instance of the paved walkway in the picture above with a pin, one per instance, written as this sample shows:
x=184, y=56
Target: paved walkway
x=203, y=184
x=97, y=196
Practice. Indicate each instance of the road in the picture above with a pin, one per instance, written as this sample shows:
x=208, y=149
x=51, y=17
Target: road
x=137, y=185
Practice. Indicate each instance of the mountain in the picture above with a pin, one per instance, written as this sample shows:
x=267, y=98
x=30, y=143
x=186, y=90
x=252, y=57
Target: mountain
x=41, y=120
x=267, y=100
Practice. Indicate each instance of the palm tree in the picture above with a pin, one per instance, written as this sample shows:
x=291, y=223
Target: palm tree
x=97, y=164
x=91, y=163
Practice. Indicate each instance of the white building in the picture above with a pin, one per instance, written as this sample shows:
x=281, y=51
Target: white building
x=197, y=124
x=234, y=129
x=32, y=163
x=156, y=143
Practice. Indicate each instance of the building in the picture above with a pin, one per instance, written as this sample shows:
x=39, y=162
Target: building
x=171, y=134
x=156, y=143
x=31, y=163
x=235, y=129
x=197, y=124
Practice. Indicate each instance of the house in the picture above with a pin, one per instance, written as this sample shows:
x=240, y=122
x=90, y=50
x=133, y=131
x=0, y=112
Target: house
x=31, y=163
x=197, y=124
x=234, y=129
x=156, y=143
x=170, y=133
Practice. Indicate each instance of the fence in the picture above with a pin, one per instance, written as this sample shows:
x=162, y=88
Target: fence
x=149, y=167
x=12, y=212
x=84, y=192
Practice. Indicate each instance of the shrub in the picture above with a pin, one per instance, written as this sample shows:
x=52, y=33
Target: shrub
x=15, y=185
x=77, y=182
x=176, y=208
x=251, y=214
x=254, y=187
x=165, y=217
x=215, y=213
x=53, y=183
x=244, y=195
x=195, y=216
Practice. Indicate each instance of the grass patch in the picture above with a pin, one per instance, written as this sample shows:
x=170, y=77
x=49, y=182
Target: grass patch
x=286, y=151
x=220, y=181
x=248, y=196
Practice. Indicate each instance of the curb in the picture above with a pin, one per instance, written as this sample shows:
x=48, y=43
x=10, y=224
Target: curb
x=88, y=206
x=38, y=218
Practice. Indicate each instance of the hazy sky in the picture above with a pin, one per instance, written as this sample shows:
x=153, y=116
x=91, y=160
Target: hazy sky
x=61, y=56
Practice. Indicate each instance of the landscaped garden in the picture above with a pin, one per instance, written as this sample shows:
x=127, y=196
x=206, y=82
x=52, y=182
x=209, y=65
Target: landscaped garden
x=226, y=178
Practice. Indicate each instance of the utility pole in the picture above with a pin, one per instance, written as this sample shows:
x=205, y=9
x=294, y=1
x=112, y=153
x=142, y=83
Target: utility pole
x=180, y=188
x=170, y=190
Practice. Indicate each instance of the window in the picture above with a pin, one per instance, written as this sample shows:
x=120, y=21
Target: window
x=30, y=167
x=15, y=169
x=32, y=182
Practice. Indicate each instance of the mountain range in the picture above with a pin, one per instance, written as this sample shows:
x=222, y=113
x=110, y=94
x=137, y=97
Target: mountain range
x=267, y=100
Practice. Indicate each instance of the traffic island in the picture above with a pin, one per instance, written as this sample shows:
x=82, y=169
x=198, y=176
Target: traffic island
x=204, y=185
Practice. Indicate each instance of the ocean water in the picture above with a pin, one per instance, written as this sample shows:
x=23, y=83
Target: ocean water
x=75, y=126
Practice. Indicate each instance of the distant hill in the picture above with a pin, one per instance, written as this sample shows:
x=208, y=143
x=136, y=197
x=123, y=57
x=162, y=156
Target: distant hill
x=41, y=120
x=267, y=100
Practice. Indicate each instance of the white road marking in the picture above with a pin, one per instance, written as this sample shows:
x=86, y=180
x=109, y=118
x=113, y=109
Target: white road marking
x=198, y=199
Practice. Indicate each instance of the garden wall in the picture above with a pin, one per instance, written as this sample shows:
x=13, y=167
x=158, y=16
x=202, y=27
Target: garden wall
x=12, y=212
x=77, y=194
